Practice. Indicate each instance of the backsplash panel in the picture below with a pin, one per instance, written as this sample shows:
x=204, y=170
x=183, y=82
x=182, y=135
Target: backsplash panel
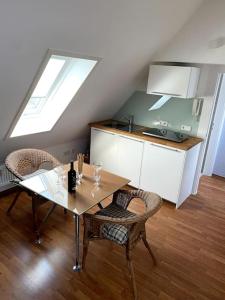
x=176, y=112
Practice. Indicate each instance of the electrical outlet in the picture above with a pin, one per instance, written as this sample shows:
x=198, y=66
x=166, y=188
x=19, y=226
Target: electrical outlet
x=163, y=123
x=185, y=127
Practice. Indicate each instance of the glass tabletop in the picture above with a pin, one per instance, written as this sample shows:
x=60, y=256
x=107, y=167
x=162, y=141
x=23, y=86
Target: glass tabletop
x=53, y=184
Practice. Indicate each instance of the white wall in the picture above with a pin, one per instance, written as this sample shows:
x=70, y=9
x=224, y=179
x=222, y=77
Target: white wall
x=211, y=136
x=125, y=34
x=194, y=42
x=68, y=151
x=206, y=90
x=219, y=166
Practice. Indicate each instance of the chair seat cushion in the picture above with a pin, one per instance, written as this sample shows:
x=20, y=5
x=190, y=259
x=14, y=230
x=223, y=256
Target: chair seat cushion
x=115, y=232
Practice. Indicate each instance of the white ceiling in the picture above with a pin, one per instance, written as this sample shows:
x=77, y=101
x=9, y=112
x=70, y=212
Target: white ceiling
x=124, y=33
x=201, y=40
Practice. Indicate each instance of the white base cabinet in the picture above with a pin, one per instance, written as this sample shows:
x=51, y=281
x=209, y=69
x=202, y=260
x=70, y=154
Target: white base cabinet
x=162, y=170
x=166, y=171
x=119, y=154
x=103, y=149
x=129, y=156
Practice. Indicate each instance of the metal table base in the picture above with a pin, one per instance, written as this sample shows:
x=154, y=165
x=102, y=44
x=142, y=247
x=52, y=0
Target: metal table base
x=77, y=266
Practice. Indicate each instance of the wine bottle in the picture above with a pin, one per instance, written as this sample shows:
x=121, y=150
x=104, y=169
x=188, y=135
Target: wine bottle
x=71, y=178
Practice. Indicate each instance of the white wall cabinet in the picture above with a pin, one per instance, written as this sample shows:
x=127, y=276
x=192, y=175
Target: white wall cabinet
x=177, y=81
x=166, y=171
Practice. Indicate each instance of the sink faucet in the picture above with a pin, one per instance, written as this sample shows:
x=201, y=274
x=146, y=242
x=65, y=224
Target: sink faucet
x=130, y=120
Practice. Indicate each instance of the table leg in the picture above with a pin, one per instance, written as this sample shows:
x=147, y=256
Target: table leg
x=35, y=221
x=77, y=266
x=36, y=226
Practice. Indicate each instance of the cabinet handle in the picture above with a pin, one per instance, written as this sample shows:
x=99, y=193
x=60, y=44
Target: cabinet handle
x=171, y=149
x=125, y=137
x=168, y=94
x=103, y=131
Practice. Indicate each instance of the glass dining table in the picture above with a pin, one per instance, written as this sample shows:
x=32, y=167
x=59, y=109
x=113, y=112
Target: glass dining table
x=53, y=186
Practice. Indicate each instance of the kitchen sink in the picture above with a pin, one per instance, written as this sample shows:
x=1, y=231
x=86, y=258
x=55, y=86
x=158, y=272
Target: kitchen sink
x=115, y=125
x=122, y=126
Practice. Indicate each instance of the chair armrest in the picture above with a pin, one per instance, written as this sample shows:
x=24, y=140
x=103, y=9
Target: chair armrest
x=103, y=219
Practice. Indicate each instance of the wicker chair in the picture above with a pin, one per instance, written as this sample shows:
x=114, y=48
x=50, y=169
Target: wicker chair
x=25, y=163
x=119, y=225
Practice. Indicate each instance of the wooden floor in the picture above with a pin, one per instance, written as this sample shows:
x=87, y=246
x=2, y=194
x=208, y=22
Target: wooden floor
x=189, y=244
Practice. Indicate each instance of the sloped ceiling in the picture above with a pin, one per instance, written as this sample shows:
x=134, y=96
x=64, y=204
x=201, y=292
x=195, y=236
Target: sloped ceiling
x=124, y=33
x=201, y=40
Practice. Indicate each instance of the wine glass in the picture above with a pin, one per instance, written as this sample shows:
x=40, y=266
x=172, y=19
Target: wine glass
x=60, y=171
x=80, y=161
x=97, y=174
x=78, y=178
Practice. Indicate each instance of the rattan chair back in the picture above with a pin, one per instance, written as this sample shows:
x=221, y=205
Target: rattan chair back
x=26, y=161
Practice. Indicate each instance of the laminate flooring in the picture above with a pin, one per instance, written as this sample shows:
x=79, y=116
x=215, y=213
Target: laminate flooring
x=189, y=244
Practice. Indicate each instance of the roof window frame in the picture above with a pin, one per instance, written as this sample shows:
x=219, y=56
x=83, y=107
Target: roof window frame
x=50, y=52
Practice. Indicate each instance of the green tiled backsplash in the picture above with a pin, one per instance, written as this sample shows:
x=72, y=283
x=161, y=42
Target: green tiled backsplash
x=176, y=112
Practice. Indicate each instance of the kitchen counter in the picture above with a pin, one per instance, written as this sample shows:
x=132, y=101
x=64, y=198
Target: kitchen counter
x=186, y=145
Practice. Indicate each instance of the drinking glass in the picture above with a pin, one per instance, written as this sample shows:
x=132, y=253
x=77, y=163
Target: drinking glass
x=60, y=174
x=97, y=174
x=80, y=161
x=79, y=177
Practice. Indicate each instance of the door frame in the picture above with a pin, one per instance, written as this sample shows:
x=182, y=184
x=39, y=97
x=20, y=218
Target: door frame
x=215, y=127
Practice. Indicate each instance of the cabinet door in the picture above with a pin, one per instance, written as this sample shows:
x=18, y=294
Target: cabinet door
x=173, y=80
x=103, y=149
x=162, y=170
x=129, y=157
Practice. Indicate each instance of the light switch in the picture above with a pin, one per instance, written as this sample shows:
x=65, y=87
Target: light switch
x=185, y=127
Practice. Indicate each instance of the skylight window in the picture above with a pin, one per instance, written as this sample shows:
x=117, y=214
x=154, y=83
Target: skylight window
x=59, y=82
